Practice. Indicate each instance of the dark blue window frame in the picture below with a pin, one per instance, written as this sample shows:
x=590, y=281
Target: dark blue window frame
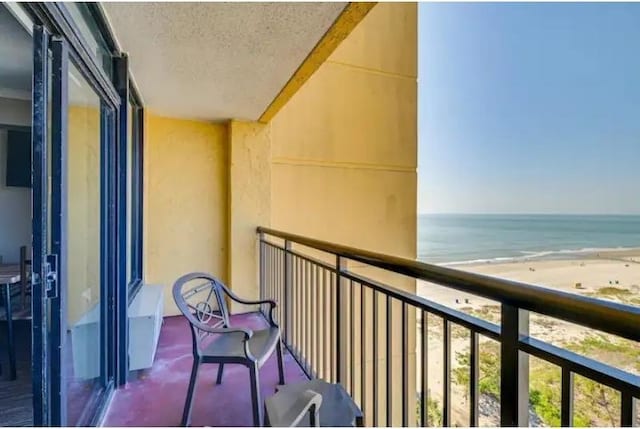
x=55, y=18
x=137, y=153
x=128, y=287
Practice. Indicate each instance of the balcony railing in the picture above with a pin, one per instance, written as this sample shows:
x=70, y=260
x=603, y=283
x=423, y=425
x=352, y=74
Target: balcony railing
x=345, y=327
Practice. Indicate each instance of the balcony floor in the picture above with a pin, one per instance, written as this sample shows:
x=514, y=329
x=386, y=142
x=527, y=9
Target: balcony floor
x=155, y=397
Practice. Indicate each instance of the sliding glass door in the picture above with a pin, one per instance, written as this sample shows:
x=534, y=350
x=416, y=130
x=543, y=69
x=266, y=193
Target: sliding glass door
x=75, y=241
x=84, y=309
x=86, y=208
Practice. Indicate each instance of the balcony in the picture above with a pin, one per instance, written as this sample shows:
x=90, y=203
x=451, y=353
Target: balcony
x=344, y=327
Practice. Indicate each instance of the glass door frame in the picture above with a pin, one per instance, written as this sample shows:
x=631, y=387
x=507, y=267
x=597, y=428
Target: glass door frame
x=58, y=346
x=39, y=306
x=49, y=386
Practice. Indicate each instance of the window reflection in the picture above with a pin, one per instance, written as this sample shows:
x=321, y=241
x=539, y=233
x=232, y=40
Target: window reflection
x=84, y=238
x=129, y=198
x=86, y=23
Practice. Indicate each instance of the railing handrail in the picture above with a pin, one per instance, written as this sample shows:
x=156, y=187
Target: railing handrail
x=614, y=318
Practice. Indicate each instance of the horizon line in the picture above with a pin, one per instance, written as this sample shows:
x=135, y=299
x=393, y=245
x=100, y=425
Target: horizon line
x=529, y=213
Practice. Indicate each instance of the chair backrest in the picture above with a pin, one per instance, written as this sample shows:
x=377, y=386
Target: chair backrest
x=201, y=299
x=24, y=262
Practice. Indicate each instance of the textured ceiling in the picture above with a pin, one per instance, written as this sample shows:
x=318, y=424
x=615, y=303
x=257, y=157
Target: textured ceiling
x=215, y=61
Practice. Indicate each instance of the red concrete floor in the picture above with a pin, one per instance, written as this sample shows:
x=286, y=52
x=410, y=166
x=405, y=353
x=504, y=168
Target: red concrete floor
x=155, y=397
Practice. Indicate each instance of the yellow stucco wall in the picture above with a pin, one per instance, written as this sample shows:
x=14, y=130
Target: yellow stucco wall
x=249, y=204
x=83, y=211
x=345, y=145
x=185, y=201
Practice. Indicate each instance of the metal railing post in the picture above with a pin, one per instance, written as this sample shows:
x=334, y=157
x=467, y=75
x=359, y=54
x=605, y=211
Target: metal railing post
x=514, y=368
x=287, y=291
x=261, y=268
x=340, y=267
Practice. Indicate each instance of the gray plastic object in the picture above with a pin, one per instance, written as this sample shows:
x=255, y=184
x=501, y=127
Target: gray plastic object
x=201, y=298
x=290, y=409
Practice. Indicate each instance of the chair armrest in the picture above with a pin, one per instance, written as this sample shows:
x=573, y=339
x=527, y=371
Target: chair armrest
x=236, y=298
x=248, y=333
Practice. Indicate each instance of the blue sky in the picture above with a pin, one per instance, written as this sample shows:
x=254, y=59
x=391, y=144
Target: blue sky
x=529, y=108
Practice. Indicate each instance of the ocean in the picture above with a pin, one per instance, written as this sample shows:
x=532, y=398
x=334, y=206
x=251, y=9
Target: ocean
x=465, y=238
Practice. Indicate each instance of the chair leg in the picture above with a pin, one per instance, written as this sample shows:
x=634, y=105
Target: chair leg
x=186, y=414
x=255, y=395
x=280, y=363
x=219, y=377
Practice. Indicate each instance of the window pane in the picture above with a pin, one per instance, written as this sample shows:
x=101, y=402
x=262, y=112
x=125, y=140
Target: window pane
x=84, y=239
x=130, y=190
x=87, y=25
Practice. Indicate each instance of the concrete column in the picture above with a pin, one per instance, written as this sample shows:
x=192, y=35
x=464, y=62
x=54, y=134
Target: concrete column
x=249, y=204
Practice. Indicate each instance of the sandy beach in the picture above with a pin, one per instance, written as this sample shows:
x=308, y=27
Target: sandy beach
x=612, y=275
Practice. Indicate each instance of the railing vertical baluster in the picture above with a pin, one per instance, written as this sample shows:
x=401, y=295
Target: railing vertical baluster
x=324, y=335
x=292, y=299
x=318, y=323
x=352, y=330
x=446, y=376
x=628, y=410
x=514, y=368
x=314, y=321
x=363, y=356
x=266, y=271
x=269, y=272
x=283, y=290
x=312, y=318
x=296, y=307
x=333, y=312
x=389, y=363
x=274, y=282
x=286, y=291
x=375, y=358
x=474, y=375
x=340, y=267
x=262, y=268
x=277, y=287
x=405, y=365
x=307, y=320
x=303, y=313
x=330, y=342
x=274, y=275
x=566, y=401
x=424, y=392
x=321, y=323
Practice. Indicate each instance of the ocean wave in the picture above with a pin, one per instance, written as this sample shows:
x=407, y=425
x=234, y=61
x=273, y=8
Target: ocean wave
x=528, y=255
x=540, y=254
x=482, y=261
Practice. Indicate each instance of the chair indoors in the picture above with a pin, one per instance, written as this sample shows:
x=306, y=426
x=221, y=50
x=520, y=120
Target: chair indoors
x=25, y=277
x=22, y=288
x=202, y=300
